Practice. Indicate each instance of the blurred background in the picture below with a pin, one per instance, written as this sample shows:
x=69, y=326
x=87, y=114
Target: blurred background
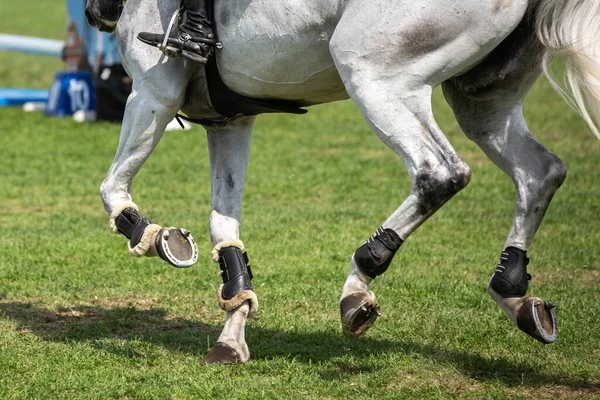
x=93, y=86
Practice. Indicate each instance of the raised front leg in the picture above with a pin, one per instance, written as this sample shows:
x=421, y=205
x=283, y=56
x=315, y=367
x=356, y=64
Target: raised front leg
x=158, y=92
x=146, y=117
x=229, y=149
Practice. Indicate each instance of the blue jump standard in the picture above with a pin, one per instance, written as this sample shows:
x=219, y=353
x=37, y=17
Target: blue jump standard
x=17, y=97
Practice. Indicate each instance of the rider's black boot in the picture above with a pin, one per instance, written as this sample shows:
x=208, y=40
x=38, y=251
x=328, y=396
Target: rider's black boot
x=193, y=39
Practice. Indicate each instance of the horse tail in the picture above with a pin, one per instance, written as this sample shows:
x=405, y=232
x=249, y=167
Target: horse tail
x=570, y=31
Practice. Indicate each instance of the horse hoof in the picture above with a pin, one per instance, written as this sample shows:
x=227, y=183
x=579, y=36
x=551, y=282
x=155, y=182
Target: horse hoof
x=222, y=353
x=536, y=318
x=177, y=247
x=359, y=311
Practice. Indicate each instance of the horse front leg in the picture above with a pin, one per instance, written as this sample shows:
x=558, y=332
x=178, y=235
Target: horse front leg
x=229, y=149
x=144, y=122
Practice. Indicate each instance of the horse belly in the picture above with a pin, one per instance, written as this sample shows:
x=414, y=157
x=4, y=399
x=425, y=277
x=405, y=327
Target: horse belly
x=279, y=49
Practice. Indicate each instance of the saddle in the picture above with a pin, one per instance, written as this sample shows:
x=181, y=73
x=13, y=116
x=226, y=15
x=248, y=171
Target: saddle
x=228, y=103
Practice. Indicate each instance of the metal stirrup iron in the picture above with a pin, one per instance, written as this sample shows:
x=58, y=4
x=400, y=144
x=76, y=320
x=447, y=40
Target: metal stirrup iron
x=163, y=46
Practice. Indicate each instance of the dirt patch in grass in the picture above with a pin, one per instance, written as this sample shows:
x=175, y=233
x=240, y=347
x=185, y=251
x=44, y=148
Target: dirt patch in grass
x=591, y=391
x=119, y=319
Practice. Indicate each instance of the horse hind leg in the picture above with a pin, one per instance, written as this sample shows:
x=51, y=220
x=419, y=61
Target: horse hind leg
x=437, y=173
x=489, y=110
x=397, y=107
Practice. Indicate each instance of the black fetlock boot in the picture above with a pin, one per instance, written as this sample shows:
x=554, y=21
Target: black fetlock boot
x=193, y=39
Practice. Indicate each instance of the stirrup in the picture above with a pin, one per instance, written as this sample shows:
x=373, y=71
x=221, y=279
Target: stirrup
x=163, y=46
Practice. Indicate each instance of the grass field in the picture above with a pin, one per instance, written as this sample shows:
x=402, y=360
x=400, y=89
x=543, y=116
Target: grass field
x=80, y=318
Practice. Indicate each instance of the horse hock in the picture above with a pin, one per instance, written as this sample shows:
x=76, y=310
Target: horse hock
x=359, y=310
x=508, y=287
x=175, y=246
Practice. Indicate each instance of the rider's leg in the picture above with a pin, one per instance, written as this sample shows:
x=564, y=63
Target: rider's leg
x=194, y=39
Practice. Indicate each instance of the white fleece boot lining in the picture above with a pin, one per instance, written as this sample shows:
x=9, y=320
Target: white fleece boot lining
x=238, y=300
x=226, y=243
x=146, y=243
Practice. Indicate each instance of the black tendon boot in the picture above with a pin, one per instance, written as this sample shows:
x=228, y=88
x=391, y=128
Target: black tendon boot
x=193, y=39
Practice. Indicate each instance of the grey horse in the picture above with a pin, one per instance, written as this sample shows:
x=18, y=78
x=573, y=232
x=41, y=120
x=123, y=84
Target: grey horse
x=387, y=56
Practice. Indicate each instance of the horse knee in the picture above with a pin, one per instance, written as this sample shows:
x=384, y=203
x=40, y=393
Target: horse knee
x=113, y=194
x=435, y=185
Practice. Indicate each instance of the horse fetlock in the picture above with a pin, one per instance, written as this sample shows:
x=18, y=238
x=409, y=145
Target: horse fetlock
x=132, y=224
x=116, y=211
x=237, y=280
x=508, y=287
x=375, y=255
x=510, y=278
x=146, y=246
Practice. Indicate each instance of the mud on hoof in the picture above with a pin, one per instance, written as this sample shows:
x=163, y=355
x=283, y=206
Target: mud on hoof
x=222, y=353
x=358, y=311
x=177, y=247
x=536, y=318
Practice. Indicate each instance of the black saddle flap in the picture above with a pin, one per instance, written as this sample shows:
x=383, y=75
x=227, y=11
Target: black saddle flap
x=228, y=103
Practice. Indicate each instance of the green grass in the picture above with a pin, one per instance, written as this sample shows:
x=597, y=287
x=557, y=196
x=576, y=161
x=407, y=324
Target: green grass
x=80, y=318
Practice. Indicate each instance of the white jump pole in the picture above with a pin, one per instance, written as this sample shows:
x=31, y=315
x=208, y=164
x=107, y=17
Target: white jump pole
x=32, y=45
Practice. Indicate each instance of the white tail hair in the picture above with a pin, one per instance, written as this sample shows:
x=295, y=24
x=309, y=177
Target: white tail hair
x=570, y=30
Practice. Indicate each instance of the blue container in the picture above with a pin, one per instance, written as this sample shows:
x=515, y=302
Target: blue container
x=70, y=92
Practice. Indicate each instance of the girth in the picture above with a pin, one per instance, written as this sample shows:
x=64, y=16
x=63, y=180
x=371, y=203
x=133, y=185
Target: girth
x=232, y=105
